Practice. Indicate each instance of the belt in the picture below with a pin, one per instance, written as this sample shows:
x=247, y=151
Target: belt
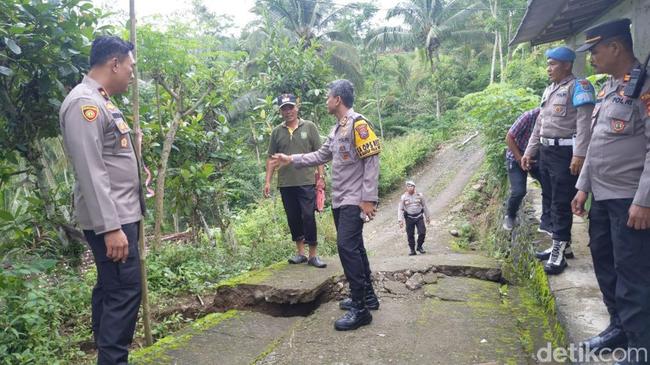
x=556, y=141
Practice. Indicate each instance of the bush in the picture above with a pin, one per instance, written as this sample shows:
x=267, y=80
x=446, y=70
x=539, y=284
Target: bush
x=494, y=110
x=33, y=311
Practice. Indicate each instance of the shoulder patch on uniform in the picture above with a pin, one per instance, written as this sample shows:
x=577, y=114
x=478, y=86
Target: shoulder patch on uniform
x=366, y=141
x=583, y=93
x=90, y=112
x=646, y=101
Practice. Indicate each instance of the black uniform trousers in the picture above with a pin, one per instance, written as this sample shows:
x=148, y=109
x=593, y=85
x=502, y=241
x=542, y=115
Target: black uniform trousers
x=621, y=258
x=554, y=168
x=517, y=178
x=299, y=205
x=349, y=242
x=411, y=224
x=115, y=298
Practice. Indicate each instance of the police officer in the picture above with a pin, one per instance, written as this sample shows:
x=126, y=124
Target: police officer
x=617, y=174
x=108, y=198
x=353, y=148
x=413, y=209
x=561, y=135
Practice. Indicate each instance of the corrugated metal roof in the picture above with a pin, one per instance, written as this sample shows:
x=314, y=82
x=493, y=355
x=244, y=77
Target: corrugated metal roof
x=551, y=20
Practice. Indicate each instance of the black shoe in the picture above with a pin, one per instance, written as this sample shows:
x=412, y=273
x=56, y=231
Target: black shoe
x=316, y=262
x=372, y=302
x=356, y=317
x=544, y=255
x=421, y=250
x=412, y=253
x=611, y=338
x=298, y=259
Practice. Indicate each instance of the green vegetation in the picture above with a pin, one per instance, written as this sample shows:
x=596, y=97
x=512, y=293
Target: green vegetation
x=206, y=111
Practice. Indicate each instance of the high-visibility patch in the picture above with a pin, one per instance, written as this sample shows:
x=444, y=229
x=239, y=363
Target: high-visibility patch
x=90, y=112
x=366, y=141
x=618, y=126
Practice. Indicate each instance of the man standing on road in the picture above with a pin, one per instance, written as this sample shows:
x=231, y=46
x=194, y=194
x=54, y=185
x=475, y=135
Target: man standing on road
x=617, y=174
x=297, y=186
x=562, y=130
x=517, y=141
x=109, y=200
x=353, y=148
x=413, y=209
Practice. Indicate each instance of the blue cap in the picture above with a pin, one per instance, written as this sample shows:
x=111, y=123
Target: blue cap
x=564, y=54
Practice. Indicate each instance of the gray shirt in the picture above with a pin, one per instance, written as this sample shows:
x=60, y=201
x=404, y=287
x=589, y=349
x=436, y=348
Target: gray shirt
x=98, y=143
x=565, y=112
x=412, y=204
x=618, y=160
x=353, y=148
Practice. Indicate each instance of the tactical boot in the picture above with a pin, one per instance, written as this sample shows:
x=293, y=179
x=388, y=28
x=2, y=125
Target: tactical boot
x=611, y=338
x=556, y=262
x=544, y=255
x=372, y=302
x=412, y=252
x=357, y=316
x=421, y=250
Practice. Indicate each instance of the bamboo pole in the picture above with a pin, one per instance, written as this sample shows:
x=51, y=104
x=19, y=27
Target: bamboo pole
x=146, y=316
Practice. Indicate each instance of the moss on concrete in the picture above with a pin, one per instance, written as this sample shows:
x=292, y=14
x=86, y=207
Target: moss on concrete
x=158, y=352
x=253, y=277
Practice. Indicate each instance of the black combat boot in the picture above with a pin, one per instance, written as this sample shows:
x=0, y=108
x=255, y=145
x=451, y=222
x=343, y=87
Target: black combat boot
x=372, y=302
x=412, y=252
x=611, y=338
x=420, y=249
x=357, y=316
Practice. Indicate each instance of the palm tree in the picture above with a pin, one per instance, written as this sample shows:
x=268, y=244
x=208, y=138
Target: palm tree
x=313, y=21
x=428, y=24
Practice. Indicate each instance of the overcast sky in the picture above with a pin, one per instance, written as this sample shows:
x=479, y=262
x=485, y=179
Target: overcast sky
x=239, y=10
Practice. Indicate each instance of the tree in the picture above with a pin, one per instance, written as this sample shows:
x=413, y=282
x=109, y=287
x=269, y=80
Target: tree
x=429, y=23
x=312, y=22
x=44, y=48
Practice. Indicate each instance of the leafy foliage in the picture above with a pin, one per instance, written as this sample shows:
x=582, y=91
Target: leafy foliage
x=493, y=111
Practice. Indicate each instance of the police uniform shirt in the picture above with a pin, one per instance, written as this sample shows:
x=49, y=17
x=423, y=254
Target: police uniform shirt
x=413, y=205
x=566, y=109
x=98, y=143
x=618, y=159
x=353, y=147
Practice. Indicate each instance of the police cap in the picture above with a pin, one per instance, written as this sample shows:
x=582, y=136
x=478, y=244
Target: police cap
x=595, y=35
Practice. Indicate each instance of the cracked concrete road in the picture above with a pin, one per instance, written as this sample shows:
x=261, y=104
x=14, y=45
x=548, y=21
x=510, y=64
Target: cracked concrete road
x=460, y=314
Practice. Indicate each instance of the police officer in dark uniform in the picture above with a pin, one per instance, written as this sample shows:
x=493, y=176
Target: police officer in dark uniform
x=561, y=135
x=617, y=174
x=353, y=148
x=109, y=202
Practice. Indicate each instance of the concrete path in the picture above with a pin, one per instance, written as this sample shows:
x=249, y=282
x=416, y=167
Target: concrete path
x=578, y=299
x=438, y=308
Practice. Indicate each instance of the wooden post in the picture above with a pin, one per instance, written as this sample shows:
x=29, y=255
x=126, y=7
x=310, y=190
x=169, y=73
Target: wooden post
x=146, y=316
